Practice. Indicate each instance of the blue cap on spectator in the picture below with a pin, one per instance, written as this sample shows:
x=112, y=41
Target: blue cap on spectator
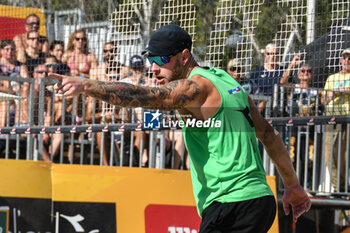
x=168, y=40
x=136, y=61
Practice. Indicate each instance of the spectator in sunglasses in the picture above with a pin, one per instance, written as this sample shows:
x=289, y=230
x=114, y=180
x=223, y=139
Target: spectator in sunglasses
x=269, y=74
x=302, y=103
x=33, y=55
x=78, y=57
x=57, y=50
x=336, y=98
x=32, y=23
x=40, y=72
x=235, y=69
x=21, y=119
x=51, y=63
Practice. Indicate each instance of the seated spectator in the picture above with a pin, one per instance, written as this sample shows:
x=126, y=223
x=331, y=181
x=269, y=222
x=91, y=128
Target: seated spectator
x=78, y=57
x=235, y=69
x=41, y=72
x=51, y=63
x=110, y=69
x=22, y=114
x=268, y=75
x=9, y=66
x=136, y=72
x=52, y=66
x=32, y=23
x=33, y=54
x=56, y=50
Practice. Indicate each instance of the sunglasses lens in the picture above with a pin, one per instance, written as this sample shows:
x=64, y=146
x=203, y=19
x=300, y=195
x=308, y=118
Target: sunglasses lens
x=159, y=60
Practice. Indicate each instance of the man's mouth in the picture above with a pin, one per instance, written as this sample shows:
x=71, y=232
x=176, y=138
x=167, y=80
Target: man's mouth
x=160, y=80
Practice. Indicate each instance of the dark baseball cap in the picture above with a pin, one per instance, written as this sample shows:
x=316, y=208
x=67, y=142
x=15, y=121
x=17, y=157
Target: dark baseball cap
x=136, y=61
x=168, y=40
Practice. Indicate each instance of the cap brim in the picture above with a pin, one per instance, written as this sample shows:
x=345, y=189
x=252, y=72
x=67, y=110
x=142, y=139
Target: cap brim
x=146, y=51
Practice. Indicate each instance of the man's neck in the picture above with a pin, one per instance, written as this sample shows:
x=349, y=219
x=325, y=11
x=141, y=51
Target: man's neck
x=190, y=66
x=303, y=84
x=270, y=66
x=343, y=72
x=32, y=51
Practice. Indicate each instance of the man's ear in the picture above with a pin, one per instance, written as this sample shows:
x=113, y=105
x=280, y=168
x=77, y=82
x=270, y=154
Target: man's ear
x=186, y=55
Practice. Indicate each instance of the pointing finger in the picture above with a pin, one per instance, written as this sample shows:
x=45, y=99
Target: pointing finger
x=58, y=77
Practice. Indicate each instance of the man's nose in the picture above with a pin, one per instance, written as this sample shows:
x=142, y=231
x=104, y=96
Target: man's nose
x=155, y=67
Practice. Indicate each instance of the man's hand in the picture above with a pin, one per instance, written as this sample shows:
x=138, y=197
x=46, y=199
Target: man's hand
x=68, y=85
x=298, y=199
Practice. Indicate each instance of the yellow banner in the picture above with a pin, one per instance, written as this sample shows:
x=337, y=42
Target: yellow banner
x=16, y=13
x=107, y=199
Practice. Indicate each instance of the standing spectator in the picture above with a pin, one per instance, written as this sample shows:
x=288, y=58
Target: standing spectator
x=33, y=54
x=32, y=23
x=268, y=75
x=337, y=103
x=302, y=103
x=57, y=49
x=301, y=94
x=235, y=69
x=78, y=57
x=229, y=181
x=9, y=66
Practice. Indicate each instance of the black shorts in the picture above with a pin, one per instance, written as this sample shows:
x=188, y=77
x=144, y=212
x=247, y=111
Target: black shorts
x=252, y=216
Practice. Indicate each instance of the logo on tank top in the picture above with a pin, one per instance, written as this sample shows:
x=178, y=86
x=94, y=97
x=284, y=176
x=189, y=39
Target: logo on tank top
x=234, y=90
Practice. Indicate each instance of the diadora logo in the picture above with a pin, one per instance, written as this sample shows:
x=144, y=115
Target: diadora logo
x=151, y=119
x=234, y=90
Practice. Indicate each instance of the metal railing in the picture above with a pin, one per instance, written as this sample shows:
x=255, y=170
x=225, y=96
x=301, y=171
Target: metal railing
x=128, y=141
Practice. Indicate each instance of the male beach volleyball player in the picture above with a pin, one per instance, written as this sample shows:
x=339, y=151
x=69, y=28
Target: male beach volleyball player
x=228, y=178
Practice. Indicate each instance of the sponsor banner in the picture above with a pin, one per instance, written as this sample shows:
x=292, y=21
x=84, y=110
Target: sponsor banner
x=171, y=218
x=84, y=217
x=28, y=214
x=98, y=199
x=4, y=219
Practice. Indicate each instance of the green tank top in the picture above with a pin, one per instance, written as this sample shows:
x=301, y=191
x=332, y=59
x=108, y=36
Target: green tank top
x=225, y=160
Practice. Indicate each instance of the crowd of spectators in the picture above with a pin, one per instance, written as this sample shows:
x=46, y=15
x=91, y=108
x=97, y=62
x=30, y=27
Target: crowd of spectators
x=29, y=55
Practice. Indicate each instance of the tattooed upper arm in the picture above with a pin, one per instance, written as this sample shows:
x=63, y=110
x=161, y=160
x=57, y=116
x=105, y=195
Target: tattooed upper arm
x=175, y=95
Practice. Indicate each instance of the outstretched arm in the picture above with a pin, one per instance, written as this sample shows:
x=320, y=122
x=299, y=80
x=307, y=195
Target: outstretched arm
x=294, y=194
x=175, y=95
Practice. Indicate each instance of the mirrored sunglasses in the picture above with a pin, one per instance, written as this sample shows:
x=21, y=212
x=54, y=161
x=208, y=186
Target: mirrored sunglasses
x=53, y=64
x=159, y=60
x=42, y=72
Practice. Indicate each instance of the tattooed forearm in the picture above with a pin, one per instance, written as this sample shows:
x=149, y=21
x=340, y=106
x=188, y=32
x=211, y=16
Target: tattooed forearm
x=175, y=95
